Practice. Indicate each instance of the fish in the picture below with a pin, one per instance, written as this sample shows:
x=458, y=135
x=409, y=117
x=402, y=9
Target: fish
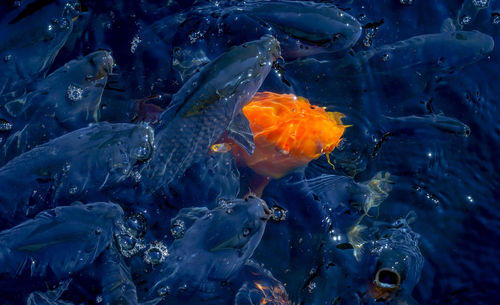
x=260, y=287
x=68, y=99
x=30, y=38
x=61, y=240
x=288, y=133
x=81, y=165
x=443, y=51
x=398, y=262
x=116, y=279
x=220, y=240
x=207, y=106
x=302, y=28
x=413, y=124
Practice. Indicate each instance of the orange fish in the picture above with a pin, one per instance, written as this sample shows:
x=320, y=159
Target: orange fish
x=288, y=133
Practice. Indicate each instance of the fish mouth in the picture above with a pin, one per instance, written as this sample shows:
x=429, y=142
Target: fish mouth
x=262, y=203
x=386, y=283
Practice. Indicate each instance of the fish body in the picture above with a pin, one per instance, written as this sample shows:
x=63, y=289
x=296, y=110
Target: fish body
x=413, y=124
x=206, y=105
x=305, y=28
x=68, y=99
x=431, y=52
x=61, y=240
x=211, y=253
x=30, y=38
x=80, y=165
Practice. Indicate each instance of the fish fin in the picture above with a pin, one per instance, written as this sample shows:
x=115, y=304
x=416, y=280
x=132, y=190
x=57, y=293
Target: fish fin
x=325, y=183
x=239, y=130
x=337, y=117
x=231, y=243
x=188, y=216
x=15, y=107
x=448, y=26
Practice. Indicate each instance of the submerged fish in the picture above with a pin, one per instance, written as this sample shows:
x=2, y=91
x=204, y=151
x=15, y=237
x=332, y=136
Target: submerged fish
x=62, y=240
x=207, y=105
x=30, y=38
x=68, y=99
x=210, y=255
x=288, y=133
x=442, y=51
x=80, y=165
x=302, y=28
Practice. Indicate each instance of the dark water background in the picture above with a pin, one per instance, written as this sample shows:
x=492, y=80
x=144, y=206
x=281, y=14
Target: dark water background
x=449, y=177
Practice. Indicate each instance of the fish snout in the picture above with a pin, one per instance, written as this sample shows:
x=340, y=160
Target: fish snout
x=260, y=208
x=103, y=61
x=386, y=282
x=272, y=46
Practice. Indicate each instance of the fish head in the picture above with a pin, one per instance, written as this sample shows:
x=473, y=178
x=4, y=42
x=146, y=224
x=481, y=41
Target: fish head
x=307, y=28
x=81, y=84
x=466, y=47
x=34, y=33
x=398, y=263
x=237, y=225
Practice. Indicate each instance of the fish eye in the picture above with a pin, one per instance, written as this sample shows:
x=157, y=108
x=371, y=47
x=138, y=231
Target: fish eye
x=246, y=232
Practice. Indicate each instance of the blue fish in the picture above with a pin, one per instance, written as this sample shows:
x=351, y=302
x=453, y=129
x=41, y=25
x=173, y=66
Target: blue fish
x=213, y=250
x=207, y=106
x=68, y=99
x=30, y=38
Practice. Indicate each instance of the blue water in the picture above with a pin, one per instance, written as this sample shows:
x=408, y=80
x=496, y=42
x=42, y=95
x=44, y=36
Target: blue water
x=419, y=87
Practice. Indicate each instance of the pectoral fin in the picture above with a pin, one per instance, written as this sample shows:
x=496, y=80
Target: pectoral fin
x=231, y=243
x=239, y=130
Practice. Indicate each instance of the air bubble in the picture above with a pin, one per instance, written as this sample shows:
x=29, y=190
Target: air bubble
x=496, y=19
x=73, y=190
x=178, y=228
x=163, y=291
x=156, y=253
x=136, y=225
x=7, y=58
x=278, y=213
x=466, y=19
x=126, y=242
x=480, y=3
x=143, y=152
x=5, y=125
x=74, y=93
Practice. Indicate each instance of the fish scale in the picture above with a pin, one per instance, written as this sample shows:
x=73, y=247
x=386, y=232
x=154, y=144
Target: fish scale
x=204, y=108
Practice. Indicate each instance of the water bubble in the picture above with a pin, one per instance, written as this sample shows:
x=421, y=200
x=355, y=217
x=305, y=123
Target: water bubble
x=135, y=42
x=73, y=189
x=311, y=287
x=98, y=231
x=7, y=58
x=386, y=57
x=178, y=228
x=17, y=3
x=156, y=253
x=278, y=213
x=143, y=152
x=98, y=299
x=406, y=2
x=64, y=24
x=163, y=291
x=466, y=19
x=74, y=93
x=66, y=167
x=480, y=3
x=496, y=19
x=136, y=225
x=5, y=125
x=126, y=242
